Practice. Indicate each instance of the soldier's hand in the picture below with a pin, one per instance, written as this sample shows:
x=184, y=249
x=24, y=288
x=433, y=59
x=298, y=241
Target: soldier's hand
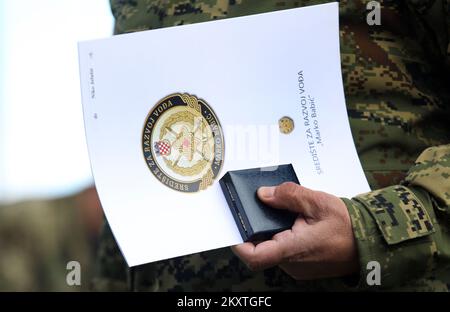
x=320, y=244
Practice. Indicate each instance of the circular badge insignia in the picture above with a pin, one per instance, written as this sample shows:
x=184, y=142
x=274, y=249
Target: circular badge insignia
x=286, y=125
x=183, y=143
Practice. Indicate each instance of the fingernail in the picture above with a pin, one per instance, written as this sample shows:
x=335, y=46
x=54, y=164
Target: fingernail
x=266, y=192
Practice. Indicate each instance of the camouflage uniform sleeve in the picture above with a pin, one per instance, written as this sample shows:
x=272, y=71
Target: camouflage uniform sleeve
x=406, y=227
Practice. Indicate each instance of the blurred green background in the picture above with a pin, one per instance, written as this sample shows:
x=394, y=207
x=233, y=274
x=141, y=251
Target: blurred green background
x=49, y=211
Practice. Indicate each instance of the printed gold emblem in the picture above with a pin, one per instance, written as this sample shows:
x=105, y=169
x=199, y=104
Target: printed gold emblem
x=286, y=125
x=183, y=143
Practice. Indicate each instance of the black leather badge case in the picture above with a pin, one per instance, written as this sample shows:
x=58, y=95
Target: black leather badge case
x=255, y=220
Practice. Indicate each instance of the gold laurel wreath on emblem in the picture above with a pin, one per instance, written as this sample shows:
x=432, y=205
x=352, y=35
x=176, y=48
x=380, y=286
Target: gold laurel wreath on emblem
x=197, y=168
x=207, y=180
x=191, y=101
x=187, y=117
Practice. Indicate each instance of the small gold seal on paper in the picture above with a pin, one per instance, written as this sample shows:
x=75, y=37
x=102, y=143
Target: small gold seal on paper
x=183, y=143
x=286, y=124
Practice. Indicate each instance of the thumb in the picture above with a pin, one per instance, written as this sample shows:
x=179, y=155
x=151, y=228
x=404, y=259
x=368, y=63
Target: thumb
x=288, y=196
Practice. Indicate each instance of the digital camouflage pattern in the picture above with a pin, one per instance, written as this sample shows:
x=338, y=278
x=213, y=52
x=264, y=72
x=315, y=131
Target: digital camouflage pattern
x=396, y=79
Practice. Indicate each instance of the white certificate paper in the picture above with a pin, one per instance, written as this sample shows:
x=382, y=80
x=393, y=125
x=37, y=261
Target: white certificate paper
x=248, y=73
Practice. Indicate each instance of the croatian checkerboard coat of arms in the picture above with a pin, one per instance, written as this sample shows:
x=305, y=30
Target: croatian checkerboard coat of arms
x=183, y=143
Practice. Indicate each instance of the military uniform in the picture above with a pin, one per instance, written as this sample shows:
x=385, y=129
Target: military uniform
x=38, y=238
x=396, y=79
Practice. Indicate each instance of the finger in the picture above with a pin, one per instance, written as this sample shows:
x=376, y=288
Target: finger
x=296, y=240
x=288, y=196
x=267, y=254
